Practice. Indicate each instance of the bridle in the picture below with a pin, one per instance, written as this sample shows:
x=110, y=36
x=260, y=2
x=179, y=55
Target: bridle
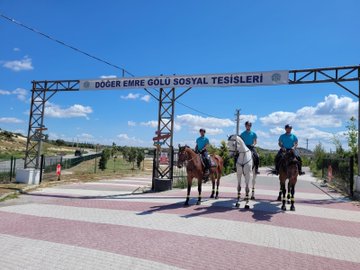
x=185, y=160
x=236, y=151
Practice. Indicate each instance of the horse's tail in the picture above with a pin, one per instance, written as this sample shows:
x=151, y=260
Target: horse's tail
x=220, y=163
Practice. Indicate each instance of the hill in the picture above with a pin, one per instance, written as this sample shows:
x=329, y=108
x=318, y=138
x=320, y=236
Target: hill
x=14, y=144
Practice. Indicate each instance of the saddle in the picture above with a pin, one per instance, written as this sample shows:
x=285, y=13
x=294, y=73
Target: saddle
x=212, y=161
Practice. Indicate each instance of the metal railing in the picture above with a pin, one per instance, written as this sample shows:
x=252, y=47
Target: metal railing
x=340, y=173
x=49, y=164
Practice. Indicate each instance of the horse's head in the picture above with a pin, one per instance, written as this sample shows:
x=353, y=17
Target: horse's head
x=235, y=144
x=232, y=145
x=290, y=159
x=182, y=155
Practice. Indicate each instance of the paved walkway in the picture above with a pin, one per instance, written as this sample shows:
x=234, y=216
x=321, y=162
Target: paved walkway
x=111, y=225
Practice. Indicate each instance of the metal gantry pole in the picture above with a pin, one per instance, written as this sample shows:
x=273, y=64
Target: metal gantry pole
x=358, y=126
x=163, y=175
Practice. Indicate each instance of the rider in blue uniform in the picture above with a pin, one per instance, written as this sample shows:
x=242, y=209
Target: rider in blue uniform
x=201, y=143
x=250, y=139
x=288, y=141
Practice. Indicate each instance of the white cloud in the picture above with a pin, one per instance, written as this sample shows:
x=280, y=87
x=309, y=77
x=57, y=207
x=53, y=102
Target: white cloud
x=248, y=117
x=154, y=124
x=76, y=110
x=19, y=65
x=146, y=98
x=209, y=131
x=204, y=122
x=124, y=139
x=262, y=134
x=151, y=123
x=85, y=136
x=16, y=50
x=5, y=92
x=19, y=92
x=131, y=96
x=131, y=123
x=328, y=113
x=314, y=134
x=123, y=136
x=108, y=76
x=177, y=127
x=277, y=131
x=11, y=120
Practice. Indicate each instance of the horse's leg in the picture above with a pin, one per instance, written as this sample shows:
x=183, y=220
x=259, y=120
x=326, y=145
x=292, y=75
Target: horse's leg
x=279, y=197
x=247, y=189
x=213, y=186
x=238, y=189
x=218, y=176
x=189, y=181
x=292, y=207
x=199, y=190
x=288, y=193
x=283, y=188
x=253, y=184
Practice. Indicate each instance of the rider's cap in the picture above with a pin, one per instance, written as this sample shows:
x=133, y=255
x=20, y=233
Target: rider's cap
x=248, y=123
x=202, y=129
x=288, y=126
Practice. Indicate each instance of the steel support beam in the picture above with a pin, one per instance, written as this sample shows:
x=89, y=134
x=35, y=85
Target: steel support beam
x=42, y=91
x=337, y=75
x=165, y=127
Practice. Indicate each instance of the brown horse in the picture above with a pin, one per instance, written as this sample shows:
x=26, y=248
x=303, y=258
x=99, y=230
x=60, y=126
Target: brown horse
x=195, y=169
x=288, y=169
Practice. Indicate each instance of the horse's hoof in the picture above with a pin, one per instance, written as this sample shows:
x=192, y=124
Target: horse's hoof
x=186, y=203
x=247, y=206
x=198, y=202
x=212, y=196
x=252, y=198
x=283, y=207
x=279, y=198
x=292, y=208
x=216, y=197
x=237, y=205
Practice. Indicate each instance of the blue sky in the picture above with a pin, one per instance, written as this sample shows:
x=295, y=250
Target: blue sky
x=179, y=37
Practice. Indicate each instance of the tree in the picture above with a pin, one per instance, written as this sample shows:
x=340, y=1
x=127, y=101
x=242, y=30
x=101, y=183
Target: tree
x=60, y=142
x=140, y=157
x=352, y=134
x=228, y=161
x=113, y=149
x=104, y=159
x=319, y=155
x=131, y=156
x=339, y=150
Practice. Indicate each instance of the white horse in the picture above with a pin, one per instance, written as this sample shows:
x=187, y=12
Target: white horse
x=244, y=167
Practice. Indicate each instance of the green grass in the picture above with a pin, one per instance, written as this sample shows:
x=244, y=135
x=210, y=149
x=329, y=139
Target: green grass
x=10, y=197
x=8, y=155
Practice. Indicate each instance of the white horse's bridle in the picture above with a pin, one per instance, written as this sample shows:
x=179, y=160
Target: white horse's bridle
x=240, y=152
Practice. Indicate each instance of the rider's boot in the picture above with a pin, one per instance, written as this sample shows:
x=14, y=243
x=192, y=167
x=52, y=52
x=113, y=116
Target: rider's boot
x=276, y=168
x=300, y=169
x=206, y=170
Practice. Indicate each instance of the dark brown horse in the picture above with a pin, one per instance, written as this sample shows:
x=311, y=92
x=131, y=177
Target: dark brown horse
x=288, y=169
x=195, y=169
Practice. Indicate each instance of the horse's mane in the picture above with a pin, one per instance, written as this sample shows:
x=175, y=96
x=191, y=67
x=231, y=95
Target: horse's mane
x=235, y=137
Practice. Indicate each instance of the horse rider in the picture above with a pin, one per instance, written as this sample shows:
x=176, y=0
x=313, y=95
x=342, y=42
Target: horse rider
x=201, y=143
x=288, y=141
x=250, y=139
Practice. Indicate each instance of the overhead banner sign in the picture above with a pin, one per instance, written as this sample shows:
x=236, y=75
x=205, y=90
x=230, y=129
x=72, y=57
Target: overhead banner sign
x=208, y=80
